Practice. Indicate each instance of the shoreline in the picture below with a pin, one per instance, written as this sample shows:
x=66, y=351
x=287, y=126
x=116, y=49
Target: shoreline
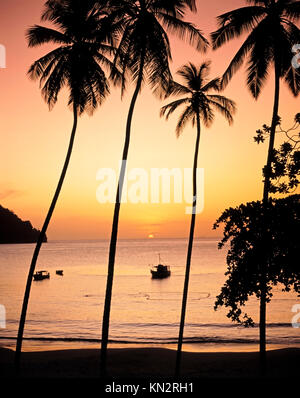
x=150, y=362
x=38, y=345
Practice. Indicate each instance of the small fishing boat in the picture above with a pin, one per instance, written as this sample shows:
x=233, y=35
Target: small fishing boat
x=40, y=275
x=59, y=272
x=160, y=271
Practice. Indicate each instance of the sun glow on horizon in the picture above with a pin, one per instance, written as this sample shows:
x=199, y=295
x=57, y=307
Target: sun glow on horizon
x=34, y=142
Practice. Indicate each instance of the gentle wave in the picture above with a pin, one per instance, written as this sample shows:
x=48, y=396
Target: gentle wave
x=158, y=325
x=159, y=340
x=206, y=325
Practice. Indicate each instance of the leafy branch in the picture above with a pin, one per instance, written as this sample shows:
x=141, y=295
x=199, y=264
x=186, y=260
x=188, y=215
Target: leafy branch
x=253, y=254
x=285, y=168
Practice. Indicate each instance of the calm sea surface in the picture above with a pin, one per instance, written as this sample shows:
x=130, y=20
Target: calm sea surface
x=67, y=310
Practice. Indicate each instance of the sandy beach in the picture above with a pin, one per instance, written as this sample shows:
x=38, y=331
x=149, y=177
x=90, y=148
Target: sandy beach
x=150, y=363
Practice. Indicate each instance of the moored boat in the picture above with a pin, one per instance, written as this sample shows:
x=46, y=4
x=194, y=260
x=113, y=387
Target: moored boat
x=40, y=275
x=160, y=271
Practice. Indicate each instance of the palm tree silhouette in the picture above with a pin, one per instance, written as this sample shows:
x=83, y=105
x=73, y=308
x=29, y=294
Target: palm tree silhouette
x=273, y=33
x=75, y=64
x=199, y=106
x=144, y=52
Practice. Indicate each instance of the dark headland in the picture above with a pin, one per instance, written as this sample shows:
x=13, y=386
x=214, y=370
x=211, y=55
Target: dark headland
x=15, y=230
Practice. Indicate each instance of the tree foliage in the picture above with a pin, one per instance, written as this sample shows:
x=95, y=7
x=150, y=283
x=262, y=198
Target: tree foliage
x=261, y=237
x=196, y=97
x=144, y=29
x=85, y=37
x=271, y=31
x=285, y=166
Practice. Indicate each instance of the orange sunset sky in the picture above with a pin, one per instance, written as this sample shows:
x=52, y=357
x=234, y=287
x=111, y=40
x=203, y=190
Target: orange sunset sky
x=34, y=141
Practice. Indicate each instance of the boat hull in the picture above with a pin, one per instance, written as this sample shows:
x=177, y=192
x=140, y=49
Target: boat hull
x=160, y=275
x=38, y=276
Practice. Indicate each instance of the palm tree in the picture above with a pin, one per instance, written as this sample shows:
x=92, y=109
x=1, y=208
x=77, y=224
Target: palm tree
x=272, y=34
x=144, y=52
x=199, y=106
x=76, y=64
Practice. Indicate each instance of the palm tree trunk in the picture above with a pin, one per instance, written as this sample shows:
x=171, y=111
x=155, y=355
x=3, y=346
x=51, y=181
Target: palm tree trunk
x=114, y=233
x=189, y=253
x=267, y=182
x=39, y=244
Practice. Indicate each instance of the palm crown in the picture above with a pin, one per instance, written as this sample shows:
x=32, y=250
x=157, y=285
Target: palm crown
x=144, y=40
x=273, y=33
x=85, y=44
x=197, y=100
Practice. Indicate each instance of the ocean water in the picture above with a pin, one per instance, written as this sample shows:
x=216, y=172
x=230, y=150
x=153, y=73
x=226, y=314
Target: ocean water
x=66, y=311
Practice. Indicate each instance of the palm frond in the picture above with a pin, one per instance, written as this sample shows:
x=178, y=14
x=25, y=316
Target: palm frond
x=55, y=82
x=175, y=7
x=226, y=111
x=273, y=34
x=292, y=79
x=225, y=102
x=37, y=69
x=292, y=11
x=38, y=35
x=115, y=73
x=86, y=45
x=93, y=89
x=234, y=23
x=188, y=72
x=260, y=61
x=193, y=76
x=52, y=9
x=157, y=59
x=243, y=51
x=258, y=2
x=168, y=109
x=213, y=84
x=186, y=116
x=206, y=113
x=184, y=31
x=176, y=89
x=122, y=55
x=196, y=97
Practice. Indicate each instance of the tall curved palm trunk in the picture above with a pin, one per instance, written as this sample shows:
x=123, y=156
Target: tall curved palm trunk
x=198, y=105
x=266, y=190
x=115, y=225
x=189, y=252
x=272, y=31
x=40, y=241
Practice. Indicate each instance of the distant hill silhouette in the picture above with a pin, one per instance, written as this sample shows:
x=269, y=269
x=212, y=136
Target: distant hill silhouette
x=14, y=230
